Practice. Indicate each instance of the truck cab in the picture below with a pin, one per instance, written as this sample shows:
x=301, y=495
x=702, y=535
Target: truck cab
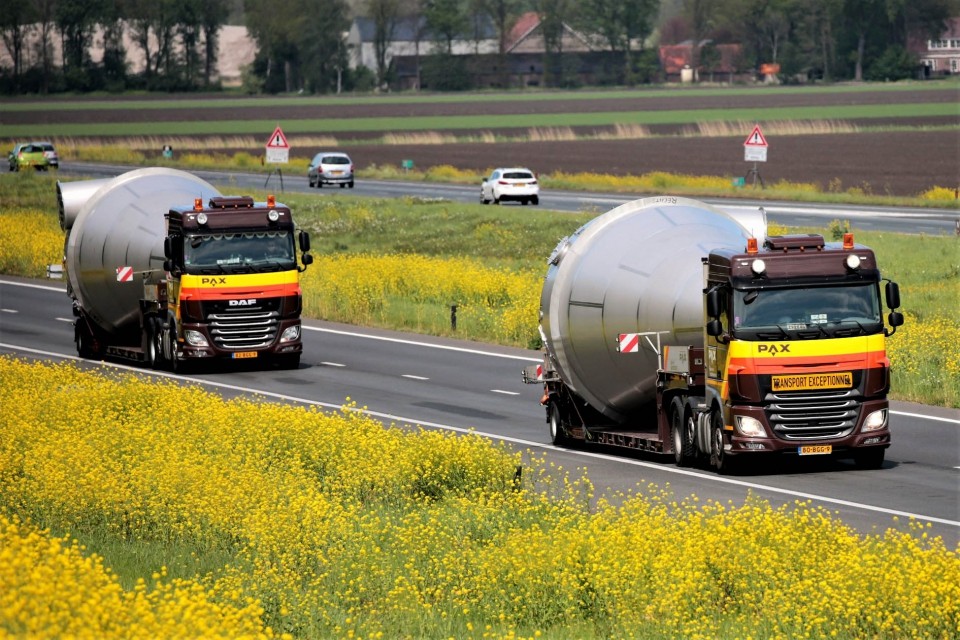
x=232, y=288
x=795, y=358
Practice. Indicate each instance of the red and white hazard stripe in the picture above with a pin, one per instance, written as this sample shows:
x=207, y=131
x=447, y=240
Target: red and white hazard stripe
x=124, y=274
x=629, y=342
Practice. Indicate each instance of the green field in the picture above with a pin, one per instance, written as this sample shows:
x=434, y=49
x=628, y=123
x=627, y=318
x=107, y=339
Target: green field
x=510, y=121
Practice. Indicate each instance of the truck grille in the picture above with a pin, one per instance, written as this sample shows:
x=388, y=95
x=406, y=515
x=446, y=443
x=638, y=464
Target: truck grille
x=243, y=328
x=812, y=415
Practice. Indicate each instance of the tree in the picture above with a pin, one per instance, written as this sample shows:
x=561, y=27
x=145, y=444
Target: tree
x=504, y=14
x=621, y=23
x=553, y=19
x=213, y=15
x=385, y=15
x=700, y=16
x=447, y=20
x=15, y=25
x=321, y=45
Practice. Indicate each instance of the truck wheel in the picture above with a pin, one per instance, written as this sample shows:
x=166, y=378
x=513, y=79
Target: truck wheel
x=557, y=435
x=871, y=458
x=683, y=452
x=719, y=459
x=151, y=343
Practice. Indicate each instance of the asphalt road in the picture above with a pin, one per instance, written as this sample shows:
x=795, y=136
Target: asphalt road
x=454, y=385
x=867, y=218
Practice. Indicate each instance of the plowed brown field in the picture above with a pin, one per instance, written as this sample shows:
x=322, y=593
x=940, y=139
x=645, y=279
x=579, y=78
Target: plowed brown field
x=906, y=162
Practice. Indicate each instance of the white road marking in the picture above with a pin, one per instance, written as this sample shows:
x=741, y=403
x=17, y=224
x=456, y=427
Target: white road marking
x=417, y=343
x=389, y=417
x=506, y=393
x=333, y=364
x=70, y=320
x=9, y=310
x=412, y=377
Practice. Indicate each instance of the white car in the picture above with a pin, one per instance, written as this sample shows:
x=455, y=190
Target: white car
x=517, y=184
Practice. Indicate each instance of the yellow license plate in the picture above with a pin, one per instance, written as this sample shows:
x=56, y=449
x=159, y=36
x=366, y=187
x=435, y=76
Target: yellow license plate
x=805, y=381
x=815, y=450
x=245, y=354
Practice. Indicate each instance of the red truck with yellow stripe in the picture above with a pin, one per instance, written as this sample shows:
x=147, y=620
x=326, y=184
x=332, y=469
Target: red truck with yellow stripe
x=674, y=327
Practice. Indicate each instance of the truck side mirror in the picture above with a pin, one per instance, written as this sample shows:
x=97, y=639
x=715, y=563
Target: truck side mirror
x=306, y=259
x=714, y=328
x=304, y=239
x=893, y=295
x=713, y=305
x=167, y=249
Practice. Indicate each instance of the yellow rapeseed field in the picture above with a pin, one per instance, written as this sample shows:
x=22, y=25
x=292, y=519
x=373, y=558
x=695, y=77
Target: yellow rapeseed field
x=363, y=289
x=30, y=241
x=331, y=525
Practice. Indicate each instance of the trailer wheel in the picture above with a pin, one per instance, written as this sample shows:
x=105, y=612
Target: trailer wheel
x=557, y=435
x=683, y=451
x=719, y=459
x=85, y=342
x=871, y=458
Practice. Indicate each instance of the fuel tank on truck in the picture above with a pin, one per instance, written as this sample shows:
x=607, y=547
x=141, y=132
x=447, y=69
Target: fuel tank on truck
x=120, y=224
x=634, y=269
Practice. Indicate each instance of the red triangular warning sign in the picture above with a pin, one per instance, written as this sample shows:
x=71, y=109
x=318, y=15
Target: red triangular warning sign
x=277, y=140
x=755, y=139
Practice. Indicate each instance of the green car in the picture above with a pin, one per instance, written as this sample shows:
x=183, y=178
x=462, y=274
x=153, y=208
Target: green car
x=39, y=155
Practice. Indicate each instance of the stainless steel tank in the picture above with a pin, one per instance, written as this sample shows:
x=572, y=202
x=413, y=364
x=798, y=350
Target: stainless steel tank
x=634, y=269
x=121, y=224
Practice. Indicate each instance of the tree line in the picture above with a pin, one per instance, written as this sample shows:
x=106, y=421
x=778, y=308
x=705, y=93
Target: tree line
x=302, y=43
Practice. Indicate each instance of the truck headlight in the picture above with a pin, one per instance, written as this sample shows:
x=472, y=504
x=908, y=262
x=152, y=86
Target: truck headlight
x=876, y=420
x=290, y=334
x=750, y=427
x=195, y=338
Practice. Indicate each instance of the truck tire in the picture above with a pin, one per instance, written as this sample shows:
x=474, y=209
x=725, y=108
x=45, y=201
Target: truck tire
x=85, y=342
x=871, y=458
x=683, y=450
x=557, y=435
x=719, y=459
x=151, y=343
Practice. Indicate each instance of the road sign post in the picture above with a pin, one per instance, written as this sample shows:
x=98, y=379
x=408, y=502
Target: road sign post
x=277, y=152
x=755, y=150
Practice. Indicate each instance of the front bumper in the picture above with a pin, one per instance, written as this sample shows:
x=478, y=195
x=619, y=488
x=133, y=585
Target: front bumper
x=735, y=443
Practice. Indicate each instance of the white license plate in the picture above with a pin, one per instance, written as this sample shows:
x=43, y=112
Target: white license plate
x=815, y=450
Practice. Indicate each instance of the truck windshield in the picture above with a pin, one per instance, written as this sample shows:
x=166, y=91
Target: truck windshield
x=807, y=312
x=245, y=252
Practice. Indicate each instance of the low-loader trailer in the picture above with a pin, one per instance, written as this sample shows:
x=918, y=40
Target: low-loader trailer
x=673, y=327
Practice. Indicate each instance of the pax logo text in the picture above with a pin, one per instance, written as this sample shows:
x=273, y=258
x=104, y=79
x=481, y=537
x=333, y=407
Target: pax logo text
x=773, y=349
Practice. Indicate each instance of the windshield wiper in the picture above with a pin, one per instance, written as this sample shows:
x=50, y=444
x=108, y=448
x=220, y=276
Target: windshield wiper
x=767, y=335
x=807, y=333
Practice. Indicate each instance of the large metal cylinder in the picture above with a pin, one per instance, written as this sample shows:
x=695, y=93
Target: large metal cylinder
x=121, y=224
x=634, y=269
